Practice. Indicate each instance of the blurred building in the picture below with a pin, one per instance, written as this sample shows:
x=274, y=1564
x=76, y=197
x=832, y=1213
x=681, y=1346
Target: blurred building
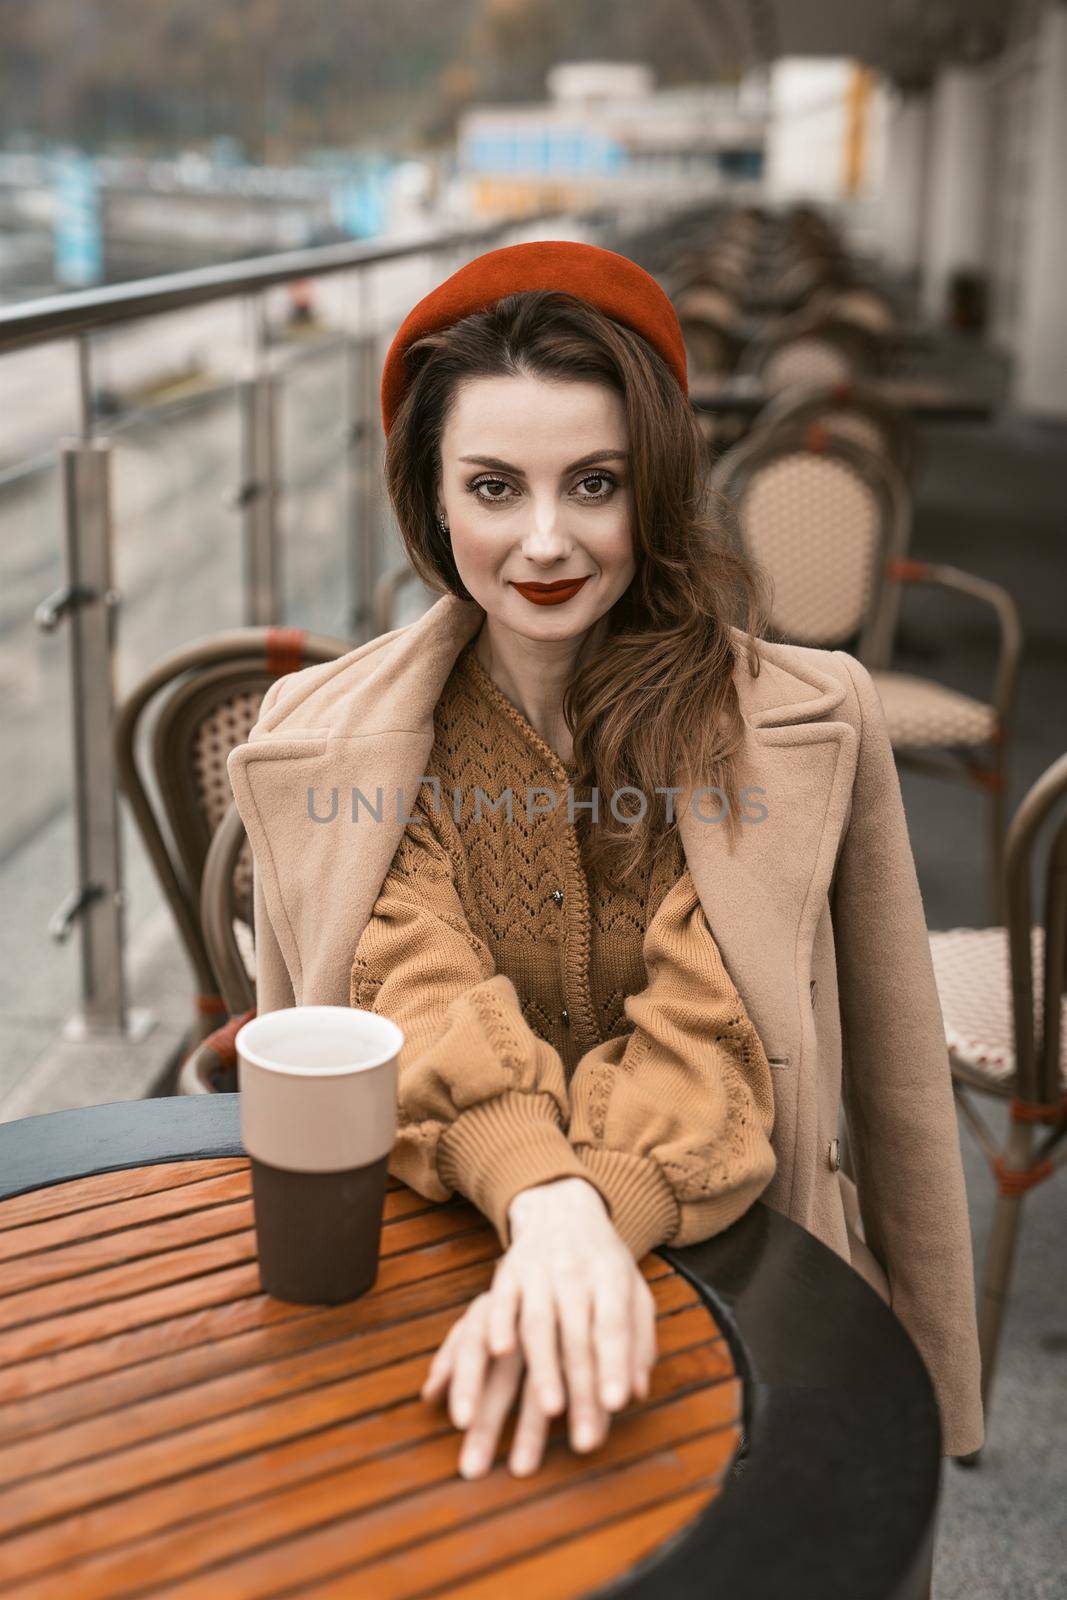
x=606, y=135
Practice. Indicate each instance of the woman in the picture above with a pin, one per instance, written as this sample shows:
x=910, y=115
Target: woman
x=624, y=1025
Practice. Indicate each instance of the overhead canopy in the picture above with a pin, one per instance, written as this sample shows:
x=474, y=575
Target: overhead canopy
x=907, y=39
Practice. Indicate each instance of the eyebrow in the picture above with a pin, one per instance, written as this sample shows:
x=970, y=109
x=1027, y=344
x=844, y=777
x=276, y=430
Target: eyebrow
x=585, y=461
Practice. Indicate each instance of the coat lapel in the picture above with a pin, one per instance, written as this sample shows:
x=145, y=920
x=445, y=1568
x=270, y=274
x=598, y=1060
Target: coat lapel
x=365, y=723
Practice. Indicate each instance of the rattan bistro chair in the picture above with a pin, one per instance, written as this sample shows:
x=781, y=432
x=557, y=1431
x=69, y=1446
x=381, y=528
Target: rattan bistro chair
x=823, y=517
x=205, y=699
x=829, y=521
x=227, y=922
x=1002, y=999
x=807, y=351
x=853, y=410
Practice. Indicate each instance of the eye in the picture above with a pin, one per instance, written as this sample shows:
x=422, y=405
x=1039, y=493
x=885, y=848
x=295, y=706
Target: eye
x=604, y=482
x=494, y=484
x=607, y=480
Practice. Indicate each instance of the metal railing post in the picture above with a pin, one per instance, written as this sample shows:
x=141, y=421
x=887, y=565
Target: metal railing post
x=260, y=489
x=362, y=483
x=359, y=542
x=89, y=602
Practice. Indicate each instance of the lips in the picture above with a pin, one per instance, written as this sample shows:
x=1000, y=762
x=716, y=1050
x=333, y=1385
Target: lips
x=551, y=594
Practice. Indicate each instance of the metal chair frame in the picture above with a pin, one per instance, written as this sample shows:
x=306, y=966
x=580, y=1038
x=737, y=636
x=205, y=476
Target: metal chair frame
x=988, y=772
x=790, y=410
x=737, y=469
x=200, y=677
x=703, y=330
x=980, y=767
x=212, y=1067
x=1035, y=1091
x=864, y=351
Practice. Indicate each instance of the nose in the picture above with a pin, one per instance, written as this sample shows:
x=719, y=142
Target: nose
x=546, y=540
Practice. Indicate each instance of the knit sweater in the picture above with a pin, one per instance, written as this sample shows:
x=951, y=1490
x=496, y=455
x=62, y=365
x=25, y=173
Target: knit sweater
x=555, y=1025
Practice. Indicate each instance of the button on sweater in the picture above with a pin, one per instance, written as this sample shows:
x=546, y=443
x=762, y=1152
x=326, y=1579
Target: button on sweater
x=556, y=1025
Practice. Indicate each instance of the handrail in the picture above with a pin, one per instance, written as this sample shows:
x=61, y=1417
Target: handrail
x=62, y=316
x=89, y=603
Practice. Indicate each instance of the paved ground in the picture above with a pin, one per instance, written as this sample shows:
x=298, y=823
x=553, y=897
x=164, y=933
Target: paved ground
x=989, y=499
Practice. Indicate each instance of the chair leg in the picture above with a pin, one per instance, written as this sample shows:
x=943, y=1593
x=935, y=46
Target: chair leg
x=997, y=824
x=1000, y=1259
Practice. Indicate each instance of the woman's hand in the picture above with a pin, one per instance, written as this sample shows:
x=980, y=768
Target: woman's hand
x=568, y=1287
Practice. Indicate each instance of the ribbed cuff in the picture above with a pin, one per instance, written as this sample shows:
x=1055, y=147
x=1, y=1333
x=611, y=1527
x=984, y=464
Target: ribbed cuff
x=643, y=1209
x=501, y=1146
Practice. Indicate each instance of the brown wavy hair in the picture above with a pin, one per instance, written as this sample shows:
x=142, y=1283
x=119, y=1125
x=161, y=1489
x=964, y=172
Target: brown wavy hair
x=656, y=702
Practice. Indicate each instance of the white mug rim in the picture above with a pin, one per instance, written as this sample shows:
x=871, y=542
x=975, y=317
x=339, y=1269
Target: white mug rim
x=389, y=1051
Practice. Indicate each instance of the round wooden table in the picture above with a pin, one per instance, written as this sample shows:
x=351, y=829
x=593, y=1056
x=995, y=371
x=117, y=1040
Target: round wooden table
x=166, y=1428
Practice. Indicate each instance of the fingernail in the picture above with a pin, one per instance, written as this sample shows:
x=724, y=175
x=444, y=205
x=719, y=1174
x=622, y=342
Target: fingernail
x=462, y=1412
x=551, y=1399
x=613, y=1394
x=522, y=1465
x=585, y=1437
x=471, y=1465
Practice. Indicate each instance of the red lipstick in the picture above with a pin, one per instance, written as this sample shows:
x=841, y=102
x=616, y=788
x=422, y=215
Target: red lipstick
x=551, y=594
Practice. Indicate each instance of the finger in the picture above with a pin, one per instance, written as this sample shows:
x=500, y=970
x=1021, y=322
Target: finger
x=531, y=1432
x=613, y=1333
x=587, y=1417
x=644, y=1351
x=503, y=1308
x=469, y=1366
x=495, y=1401
x=440, y=1368
x=538, y=1330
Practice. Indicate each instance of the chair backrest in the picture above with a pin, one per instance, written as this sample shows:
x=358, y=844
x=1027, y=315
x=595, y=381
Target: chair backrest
x=226, y=915
x=809, y=351
x=822, y=516
x=855, y=412
x=861, y=303
x=708, y=304
x=205, y=698
x=1038, y=1028
x=711, y=347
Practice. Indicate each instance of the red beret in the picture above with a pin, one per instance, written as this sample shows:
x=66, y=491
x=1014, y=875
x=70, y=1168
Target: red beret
x=613, y=283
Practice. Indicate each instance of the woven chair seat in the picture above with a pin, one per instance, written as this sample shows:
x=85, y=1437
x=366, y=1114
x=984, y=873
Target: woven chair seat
x=973, y=976
x=924, y=715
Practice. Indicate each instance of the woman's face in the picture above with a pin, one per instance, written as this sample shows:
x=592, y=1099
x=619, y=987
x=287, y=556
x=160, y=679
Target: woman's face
x=535, y=488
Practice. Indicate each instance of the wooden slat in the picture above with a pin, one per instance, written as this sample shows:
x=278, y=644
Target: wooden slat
x=233, y=1392
x=252, y=1357
x=257, y=1429
x=116, y=1215
x=264, y=1319
x=90, y=1257
x=587, y=1508
x=62, y=1198
x=349, y=1471
x=572, y=1569
x=63, y=1331
x=172, y=1430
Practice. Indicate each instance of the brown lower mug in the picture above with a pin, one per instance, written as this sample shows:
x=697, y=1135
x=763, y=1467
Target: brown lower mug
x=318, y=1233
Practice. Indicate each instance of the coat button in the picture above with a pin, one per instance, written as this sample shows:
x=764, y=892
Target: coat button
x=557, y=895
x=565, y=1017
x=833, y=1151
x=813, y=989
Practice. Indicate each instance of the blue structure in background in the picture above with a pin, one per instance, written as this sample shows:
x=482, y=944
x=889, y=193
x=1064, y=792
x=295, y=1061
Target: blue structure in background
x=78, y=234
x=359, y=202
x=548, y=152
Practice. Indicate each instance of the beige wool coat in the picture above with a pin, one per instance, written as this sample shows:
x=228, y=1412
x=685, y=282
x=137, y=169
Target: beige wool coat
x=816, y=911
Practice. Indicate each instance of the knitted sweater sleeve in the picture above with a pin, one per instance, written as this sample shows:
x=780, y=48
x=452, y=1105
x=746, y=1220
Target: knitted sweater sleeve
x=673, y=1119
x=482, y=1102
